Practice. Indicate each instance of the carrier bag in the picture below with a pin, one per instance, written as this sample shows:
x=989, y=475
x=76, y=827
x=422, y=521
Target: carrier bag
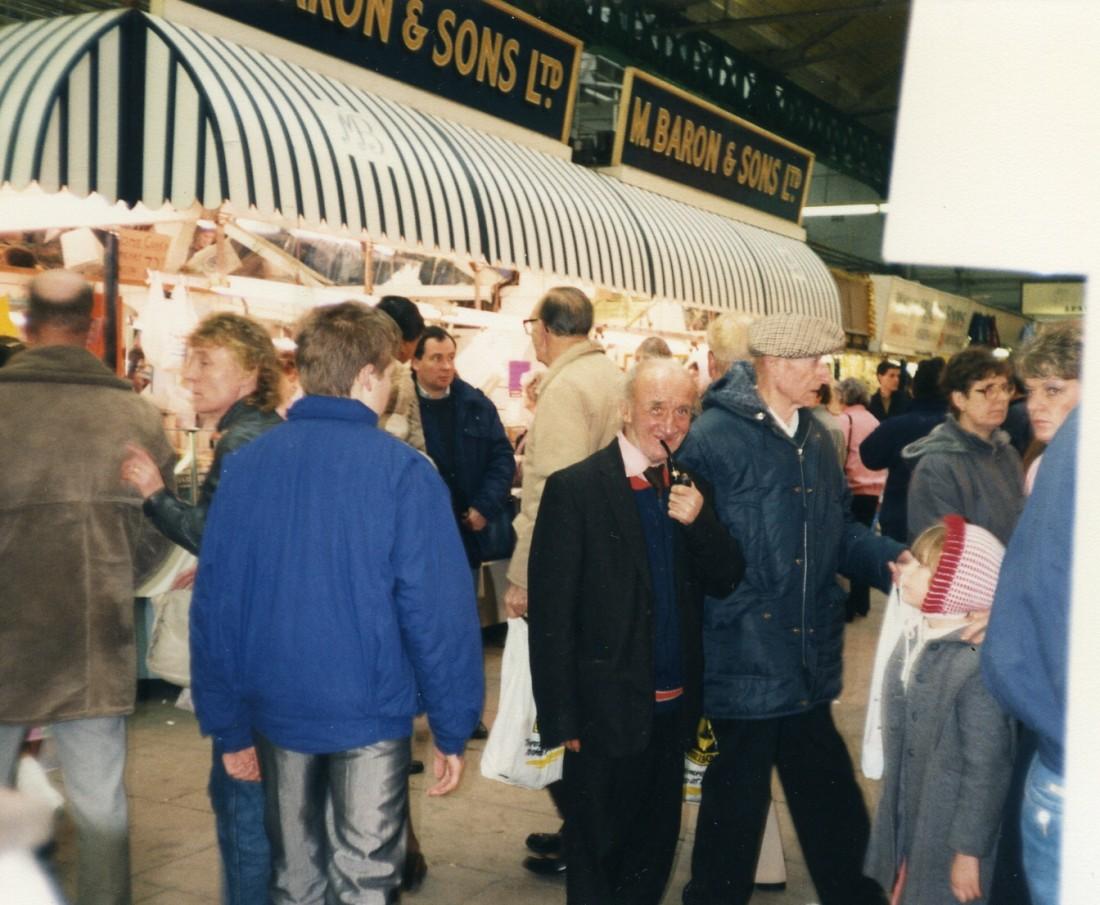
x=169, y=654
x=893, y=621
x=514, y=753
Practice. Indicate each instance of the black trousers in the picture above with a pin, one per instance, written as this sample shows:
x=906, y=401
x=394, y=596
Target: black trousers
x=824, y=800
x=623, y=815
x=859, y=597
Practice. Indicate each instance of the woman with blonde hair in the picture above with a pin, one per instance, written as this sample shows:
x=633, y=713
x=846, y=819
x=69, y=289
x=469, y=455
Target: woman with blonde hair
x=233, y=373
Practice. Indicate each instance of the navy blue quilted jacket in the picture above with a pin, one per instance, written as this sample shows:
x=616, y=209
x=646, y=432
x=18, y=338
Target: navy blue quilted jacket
x=774, y=646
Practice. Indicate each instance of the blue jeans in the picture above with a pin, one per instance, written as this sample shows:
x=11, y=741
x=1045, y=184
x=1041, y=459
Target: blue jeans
x=1041, y=831
x=246, y=855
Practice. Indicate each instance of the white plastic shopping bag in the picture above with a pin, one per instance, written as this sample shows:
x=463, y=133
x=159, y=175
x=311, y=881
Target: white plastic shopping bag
x=514, y=753
x=169, y=653
x=893, y=623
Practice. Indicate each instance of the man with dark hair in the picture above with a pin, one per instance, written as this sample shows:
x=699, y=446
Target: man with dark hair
x=577, y=414
x=465, y=439
x=619, y=565
x=401, y=416
x=409, y=321
x=882, y=447
x=773, y=647
x=889, y=400
x=73, y=545
x=967, y=466
x=328, y=614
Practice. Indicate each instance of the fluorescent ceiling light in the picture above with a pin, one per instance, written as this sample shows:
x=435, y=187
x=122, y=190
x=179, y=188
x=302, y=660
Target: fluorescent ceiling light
x=844, y=210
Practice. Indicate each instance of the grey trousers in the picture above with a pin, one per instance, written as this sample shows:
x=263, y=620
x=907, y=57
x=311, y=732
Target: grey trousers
x=93, y=757
x=336, y=823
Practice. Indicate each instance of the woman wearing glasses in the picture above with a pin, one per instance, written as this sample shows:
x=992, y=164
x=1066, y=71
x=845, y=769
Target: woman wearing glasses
x=967, y=465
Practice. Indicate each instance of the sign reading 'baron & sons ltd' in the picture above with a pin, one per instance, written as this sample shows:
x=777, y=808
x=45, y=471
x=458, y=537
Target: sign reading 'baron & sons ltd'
x=669, y=133
x=481, y=53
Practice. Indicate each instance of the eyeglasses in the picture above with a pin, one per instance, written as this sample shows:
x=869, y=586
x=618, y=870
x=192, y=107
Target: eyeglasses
x=994, y=391
x=529, y=325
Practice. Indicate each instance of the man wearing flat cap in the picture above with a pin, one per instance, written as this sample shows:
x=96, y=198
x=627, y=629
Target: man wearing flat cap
x=772, y=648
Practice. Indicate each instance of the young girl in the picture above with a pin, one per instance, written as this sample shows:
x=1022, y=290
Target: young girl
x=948, y=746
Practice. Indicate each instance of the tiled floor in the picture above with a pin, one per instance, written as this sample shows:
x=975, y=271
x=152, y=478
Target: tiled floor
x=473, y=840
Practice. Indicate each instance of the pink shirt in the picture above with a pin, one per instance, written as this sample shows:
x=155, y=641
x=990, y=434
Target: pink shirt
x=856, y=423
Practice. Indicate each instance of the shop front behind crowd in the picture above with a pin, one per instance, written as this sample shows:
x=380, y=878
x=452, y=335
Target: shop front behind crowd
x=675, y=557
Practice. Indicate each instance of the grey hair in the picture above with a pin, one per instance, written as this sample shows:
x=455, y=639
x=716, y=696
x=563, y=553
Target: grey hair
x=852, y=391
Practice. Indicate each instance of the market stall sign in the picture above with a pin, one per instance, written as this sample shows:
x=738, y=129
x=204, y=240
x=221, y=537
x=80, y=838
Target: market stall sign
x=672, y=134
x=140, y=251
x=1054, y=299
x=920, y=319
x=481, y=53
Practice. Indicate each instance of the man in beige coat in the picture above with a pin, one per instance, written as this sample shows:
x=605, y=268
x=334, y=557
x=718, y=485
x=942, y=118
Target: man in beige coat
x=577, y=414
x=73, y=540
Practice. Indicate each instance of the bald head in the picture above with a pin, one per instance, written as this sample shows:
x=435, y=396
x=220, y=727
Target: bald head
x=60, y=305
x=659, y=400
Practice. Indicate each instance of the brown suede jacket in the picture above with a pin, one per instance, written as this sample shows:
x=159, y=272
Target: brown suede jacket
x=73, y=539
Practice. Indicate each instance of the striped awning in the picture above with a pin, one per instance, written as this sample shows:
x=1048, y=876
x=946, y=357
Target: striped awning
x=144, y=110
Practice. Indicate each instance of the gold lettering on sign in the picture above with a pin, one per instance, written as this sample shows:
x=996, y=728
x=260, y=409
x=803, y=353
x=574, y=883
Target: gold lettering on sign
x=380, y=13
x=412, y=32
x=792, y=182
x=444, y=48
x=310, y=6
x=660, y=131
x=488, y=57
x=348, y=18
x=531, y=95
x=466, y=47
x=508, y=60
x=639, y=123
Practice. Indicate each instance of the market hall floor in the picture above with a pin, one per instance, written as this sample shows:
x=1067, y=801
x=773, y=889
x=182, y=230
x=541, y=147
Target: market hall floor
x=473, y=839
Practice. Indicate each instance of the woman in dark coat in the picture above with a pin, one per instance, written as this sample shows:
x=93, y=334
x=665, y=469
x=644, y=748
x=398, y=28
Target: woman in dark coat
x=233, y=373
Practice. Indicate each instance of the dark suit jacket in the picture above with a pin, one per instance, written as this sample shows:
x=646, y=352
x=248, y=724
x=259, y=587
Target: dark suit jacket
x=590, y=607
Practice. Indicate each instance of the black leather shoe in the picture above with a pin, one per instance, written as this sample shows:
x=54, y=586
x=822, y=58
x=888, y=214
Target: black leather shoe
x=545, y=843
x=545, y=867
x=415, y=767
x=480, y=732
x=415, y=869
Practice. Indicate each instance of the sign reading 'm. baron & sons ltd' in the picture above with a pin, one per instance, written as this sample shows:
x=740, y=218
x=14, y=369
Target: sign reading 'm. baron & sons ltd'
x=481, y=53
x=669, y=133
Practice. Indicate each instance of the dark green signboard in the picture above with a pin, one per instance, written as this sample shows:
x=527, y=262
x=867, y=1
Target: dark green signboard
x=481, y=53
x=670, y=133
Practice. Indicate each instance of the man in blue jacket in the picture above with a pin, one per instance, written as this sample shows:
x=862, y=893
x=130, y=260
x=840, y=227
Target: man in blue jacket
x=467, y=442
x=773, y=648
x=1026, y=649
x=331, y=606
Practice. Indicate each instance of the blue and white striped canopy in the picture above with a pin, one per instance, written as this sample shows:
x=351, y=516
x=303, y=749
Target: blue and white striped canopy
x=144, y=110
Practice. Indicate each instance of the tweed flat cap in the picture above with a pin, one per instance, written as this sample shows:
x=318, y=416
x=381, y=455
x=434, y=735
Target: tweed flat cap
x=791, y=335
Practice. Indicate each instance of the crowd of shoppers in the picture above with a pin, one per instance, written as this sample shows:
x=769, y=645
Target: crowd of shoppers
x=677, y=558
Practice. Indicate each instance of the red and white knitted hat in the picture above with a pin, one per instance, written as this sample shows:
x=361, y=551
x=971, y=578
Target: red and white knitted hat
x=966, y=577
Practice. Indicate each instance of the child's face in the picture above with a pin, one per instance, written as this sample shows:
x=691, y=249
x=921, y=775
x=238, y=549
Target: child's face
x=915, y=578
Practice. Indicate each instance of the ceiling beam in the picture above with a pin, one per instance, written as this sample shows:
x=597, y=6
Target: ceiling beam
x=797, y=57
x=731, y=22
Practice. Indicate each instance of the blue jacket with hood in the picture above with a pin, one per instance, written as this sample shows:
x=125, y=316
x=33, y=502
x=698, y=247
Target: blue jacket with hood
x=774, y=646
